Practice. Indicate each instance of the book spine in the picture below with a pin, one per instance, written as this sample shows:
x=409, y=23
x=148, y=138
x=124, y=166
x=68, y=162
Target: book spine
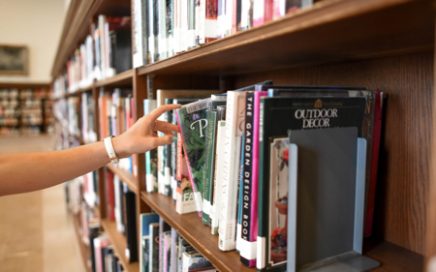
x=376, y=136
x=211, y=20
x=262, y=224
x=145, y=32
x=174, y=155
x=240, y=195
x=248, y=247
x=219, y=154
x=255, y=175
x=208, y=169
x=258, y=12
x=150, y=156
x=154, y=247
x=130, y=210
x=110, y=195
x=137, y=46
x=227, y=228
x=173, y=260
x=167, y=155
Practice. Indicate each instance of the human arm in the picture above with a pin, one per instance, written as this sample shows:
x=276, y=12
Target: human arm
x=33, y=171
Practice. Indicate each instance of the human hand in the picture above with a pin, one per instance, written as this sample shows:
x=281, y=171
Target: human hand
x=142, y=136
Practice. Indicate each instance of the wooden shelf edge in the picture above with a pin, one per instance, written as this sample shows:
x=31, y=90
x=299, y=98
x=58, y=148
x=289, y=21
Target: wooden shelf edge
x=189, y=226
x=84, y=249
x=125, y=177
x=120, y=78
x=119, y=244
x=395, y=258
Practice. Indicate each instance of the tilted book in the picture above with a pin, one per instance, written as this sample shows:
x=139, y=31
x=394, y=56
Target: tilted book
x=193, y=122
x=211, y=115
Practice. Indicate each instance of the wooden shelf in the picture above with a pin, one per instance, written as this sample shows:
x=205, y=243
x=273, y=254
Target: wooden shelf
x=331, y=31
x=119, y=244
x=395, y=258
x=392, y=257
x=120, y=80
x=84, y=249
x=123, y=79
x=198, y=235
x=125, y=177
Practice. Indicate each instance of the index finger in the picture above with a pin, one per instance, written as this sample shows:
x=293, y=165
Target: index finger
x=164, y=108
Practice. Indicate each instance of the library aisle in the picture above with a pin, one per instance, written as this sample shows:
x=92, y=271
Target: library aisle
x=41, y=236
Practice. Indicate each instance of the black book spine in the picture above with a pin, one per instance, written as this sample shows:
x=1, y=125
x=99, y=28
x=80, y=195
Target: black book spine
x=132, y=247
x=246, y=169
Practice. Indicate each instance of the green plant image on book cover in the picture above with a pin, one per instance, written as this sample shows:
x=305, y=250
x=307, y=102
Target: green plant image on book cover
x=193, y=124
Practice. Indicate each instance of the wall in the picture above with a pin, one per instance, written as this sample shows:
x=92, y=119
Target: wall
x=37, y=24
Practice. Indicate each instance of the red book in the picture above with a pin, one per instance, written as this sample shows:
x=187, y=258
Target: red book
x=110, y=195
x=370, y=200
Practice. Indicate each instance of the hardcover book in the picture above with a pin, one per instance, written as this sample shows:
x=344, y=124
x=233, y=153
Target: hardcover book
x=219, y=157
x=192, y=123
x=131, y=251
x=154, y=247
x=161, y=95
x=146, y=239
x=150, y=156
x=235, y=113
x=210, y=131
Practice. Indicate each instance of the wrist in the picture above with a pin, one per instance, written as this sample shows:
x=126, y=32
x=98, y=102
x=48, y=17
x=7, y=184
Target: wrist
x=119, y=148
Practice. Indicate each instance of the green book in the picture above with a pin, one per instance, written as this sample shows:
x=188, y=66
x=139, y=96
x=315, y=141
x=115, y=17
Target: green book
x=211, y=115
x=192, y=119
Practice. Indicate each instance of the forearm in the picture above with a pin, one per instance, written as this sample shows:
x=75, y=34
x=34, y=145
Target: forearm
x=33, y=171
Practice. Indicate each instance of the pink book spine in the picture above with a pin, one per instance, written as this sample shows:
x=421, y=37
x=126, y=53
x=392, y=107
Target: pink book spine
x=255, y=164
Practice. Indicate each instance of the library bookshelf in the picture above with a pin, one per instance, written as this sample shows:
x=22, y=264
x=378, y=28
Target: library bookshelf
x=387, y=45
x=32, y=111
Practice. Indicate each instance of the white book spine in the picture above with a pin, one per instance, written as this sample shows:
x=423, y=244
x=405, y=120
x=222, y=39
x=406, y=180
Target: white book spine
x=162, y=36
x=151, y=17
x=138, y=56
x=227, y=228
x=118, y=212
x=258, y=12
x=221, y=127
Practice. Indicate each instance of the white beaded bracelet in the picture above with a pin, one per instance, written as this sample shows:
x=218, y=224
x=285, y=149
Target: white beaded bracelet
x=110, y=149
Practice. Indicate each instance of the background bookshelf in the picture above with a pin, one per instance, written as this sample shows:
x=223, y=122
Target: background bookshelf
x=387, y=45
x=25, y=108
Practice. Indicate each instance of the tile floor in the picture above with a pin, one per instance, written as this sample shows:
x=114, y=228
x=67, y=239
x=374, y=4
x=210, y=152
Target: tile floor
x=36, y=232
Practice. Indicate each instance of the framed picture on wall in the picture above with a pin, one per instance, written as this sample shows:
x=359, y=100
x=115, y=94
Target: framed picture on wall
x=14, y=60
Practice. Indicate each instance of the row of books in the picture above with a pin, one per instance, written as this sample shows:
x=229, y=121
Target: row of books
x=235, y=145
x=106, y=51
x=13, y=93
x=163, y=249
x=82, y=195
x=66, y=113
x=23, y=109
x=121, y=208
x=116, y=115
x=162, y=28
